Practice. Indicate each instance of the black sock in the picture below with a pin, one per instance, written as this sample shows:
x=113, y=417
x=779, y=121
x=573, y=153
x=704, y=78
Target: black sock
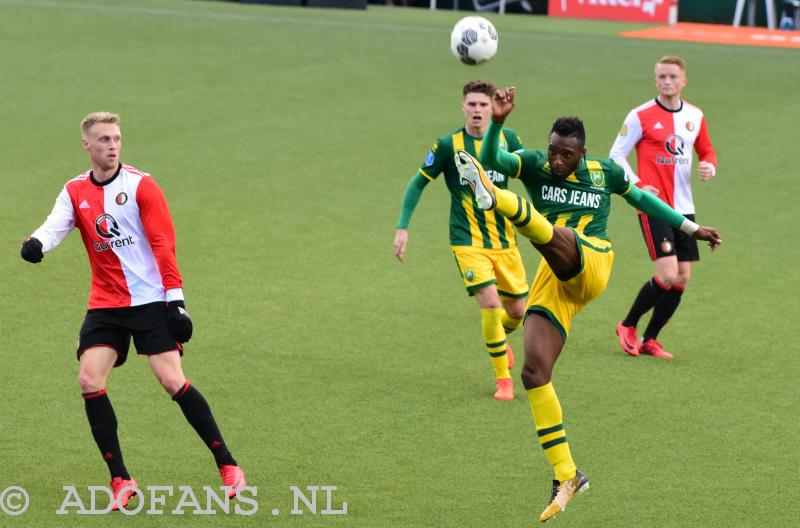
x=196, y=410
x=662, y=312
x=648, y=296
x=103, y=422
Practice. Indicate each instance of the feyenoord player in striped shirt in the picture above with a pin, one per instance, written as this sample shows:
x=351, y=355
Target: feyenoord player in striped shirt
x=136, y=291
x=663, y=131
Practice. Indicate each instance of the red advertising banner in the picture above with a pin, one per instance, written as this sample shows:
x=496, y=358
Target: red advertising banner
x=647, y=11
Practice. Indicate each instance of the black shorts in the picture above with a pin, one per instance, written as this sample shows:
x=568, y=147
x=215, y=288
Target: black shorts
x=663, y=240
x=113, y=327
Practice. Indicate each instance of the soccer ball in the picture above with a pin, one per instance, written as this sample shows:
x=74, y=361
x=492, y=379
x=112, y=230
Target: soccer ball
x=473, y=40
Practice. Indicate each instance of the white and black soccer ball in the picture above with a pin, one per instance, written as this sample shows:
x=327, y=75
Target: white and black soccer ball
x=473, y=40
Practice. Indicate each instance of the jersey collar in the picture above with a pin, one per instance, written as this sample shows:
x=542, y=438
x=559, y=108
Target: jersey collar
x=111, y=179
x=475, y=138
x=669, y=109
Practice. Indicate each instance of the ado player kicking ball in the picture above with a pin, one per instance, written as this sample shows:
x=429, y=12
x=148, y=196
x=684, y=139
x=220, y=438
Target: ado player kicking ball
x=571, y=195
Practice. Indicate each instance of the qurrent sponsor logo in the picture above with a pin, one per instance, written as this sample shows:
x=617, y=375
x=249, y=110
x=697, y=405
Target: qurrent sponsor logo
x=118, y=243
x=676, y=146
x=108, y=229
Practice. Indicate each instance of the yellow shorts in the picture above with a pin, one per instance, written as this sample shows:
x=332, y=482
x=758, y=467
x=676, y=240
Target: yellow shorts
x=481, y=267
x=560, y=301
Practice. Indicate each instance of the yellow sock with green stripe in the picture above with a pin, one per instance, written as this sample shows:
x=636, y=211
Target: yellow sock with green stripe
x=529, y=222
x=495, y=339
x=546, y=411
x=509, y=323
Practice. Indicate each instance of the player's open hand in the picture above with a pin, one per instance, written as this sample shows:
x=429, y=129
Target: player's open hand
x=502, y=104
x=32, y=250
x=400, y=243
x=710, y=235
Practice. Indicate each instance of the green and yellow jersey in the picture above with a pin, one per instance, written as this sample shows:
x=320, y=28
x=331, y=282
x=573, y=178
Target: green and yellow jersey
x=469, y=225
x=583, y=200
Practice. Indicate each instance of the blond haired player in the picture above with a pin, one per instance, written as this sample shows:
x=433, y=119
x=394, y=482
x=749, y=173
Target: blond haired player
x=136, y=291
x=663, y=131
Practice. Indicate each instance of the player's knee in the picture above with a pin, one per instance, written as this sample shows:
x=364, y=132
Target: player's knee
x=516, y=311
x=668, y=279
x=534, y=375
x=171, y=383
x=90, y=382
x=487, y=300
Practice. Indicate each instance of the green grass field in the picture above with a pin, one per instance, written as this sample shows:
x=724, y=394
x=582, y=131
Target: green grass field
x=284, y=139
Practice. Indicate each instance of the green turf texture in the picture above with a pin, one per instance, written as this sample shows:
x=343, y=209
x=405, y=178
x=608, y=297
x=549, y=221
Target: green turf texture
x=284, y=138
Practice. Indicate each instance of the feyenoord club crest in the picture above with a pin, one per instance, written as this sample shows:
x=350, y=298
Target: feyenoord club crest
x=121, y=198
x=666, y=246
x=689, y=126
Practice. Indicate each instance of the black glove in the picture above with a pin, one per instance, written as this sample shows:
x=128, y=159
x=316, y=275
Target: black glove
x=179, y=322
x=32, y=250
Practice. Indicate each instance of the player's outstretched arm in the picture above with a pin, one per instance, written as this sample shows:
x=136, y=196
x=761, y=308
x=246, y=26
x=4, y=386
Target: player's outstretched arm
x=492, y=156
x=652, y=206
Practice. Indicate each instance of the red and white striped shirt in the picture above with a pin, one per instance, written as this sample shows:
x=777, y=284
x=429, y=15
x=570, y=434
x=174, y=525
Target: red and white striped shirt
x=129, y=236
x=664, y=139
